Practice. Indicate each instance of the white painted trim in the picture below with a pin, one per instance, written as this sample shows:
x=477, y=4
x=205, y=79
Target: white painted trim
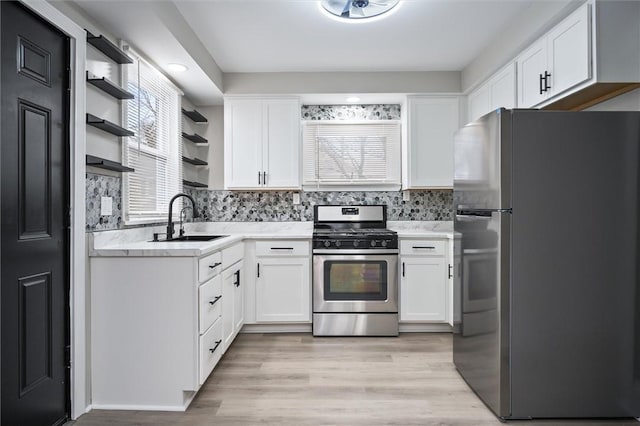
x=77, y=35
x=425, y=328
x=276, y=328
x=141, y=407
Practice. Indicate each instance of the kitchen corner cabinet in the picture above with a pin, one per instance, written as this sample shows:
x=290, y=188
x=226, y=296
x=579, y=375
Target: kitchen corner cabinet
x=158, y=326
x=283, y=281
x=262, y=143
x=499, y=91
x=428, y=147
x=556, y=62
x=425, y=281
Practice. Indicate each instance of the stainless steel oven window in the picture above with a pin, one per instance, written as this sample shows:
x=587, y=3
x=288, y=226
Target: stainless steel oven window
x=355, y=280
x=321, y=303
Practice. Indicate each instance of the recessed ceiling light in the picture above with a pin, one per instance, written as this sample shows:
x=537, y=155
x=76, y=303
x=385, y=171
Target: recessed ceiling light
x=353, y=99
x=358, y=10
x=177, y=67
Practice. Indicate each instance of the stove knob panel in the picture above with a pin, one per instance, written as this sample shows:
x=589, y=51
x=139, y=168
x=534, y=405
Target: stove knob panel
x=327, y=243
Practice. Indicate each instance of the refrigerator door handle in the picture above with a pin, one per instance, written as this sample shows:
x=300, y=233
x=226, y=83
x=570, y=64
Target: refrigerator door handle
x=480, y=212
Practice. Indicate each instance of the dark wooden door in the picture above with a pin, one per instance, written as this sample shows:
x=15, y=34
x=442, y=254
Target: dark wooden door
x=34, y=242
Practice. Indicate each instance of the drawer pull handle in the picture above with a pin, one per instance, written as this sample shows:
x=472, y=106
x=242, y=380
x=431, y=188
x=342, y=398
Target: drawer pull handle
x=424, y=247
x=215, y=265
x=212, y=350
x=281, y=248
x=213, y=302
x=237, y=274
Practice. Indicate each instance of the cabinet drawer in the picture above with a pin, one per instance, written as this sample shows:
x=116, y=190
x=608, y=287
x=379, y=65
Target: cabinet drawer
x=282, y=248
x=232, y=254
x=423, y=247
x=211, y=348
x=210, y=302
x=209, y=266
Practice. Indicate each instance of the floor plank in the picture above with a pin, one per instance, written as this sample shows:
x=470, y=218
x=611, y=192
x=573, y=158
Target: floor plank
x=298, y=379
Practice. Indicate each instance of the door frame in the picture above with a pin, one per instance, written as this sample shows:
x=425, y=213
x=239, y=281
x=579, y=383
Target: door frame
x=77, y=172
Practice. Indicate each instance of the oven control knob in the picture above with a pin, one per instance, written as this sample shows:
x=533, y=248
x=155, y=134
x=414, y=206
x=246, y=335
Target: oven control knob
x=356, y=243
x=327, y=243
x=384, y=243
x=373, y=243
x=338, y=243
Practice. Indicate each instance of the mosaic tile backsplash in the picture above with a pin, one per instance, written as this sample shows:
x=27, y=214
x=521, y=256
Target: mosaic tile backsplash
x=232, y=206
x=98, y=186
x=351, y=112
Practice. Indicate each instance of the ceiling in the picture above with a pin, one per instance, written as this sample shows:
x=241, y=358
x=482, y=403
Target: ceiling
x=295, y=36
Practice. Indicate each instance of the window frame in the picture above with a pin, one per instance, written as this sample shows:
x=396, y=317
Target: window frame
x=170, y=126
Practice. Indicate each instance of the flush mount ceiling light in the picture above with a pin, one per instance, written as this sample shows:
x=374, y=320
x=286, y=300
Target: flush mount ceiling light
x=358, y=10
x=177, y=67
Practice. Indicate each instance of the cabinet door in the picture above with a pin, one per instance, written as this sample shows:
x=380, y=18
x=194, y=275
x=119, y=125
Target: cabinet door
x=531, y=64
x=569, y=45
x=228, y=306
x=479, y=102
x=502, y=88
x=281, y=155
x=283, y=289
x=423, y=286
x=432, y=122
x=238, y=300
x=243, y=143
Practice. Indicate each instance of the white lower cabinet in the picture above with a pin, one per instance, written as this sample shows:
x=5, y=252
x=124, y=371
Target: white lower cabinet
x=157, y=327
x=425, y=292
x=211, y=349
x=283, y=281
x=233, y=294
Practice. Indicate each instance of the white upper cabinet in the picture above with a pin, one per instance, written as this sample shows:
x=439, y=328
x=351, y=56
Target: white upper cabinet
x=499, y=91
x=262, y=143
x=428, y=147
x=556, y=62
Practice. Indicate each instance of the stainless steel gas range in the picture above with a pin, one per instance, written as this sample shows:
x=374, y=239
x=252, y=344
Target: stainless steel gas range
x=355, y=272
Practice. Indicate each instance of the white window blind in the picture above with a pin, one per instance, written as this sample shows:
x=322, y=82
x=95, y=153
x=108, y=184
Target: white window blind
x=351, y=154
x=156, y=150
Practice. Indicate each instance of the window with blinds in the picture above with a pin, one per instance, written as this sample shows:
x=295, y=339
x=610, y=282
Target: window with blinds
x=156, y=151
x=363, y=154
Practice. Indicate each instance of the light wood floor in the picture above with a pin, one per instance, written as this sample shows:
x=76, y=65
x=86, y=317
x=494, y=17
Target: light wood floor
x=296, y=379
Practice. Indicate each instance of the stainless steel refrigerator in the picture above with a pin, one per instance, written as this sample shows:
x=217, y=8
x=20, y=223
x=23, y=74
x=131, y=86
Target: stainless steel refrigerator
x=546, y=313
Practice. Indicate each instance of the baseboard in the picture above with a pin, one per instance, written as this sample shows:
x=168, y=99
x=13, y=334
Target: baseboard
x=276, y=328
x=139, y=407
x=424, y=328
x=306, y=328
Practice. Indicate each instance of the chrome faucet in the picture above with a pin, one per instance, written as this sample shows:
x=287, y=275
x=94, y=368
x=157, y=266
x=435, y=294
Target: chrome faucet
x=170, y=228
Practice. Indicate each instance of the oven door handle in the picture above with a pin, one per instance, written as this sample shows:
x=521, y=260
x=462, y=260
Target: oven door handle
x=355, y=251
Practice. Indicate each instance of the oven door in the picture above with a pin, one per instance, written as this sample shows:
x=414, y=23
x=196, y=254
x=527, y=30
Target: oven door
x=355, y=283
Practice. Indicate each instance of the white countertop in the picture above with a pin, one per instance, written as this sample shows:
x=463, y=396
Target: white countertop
x=137, y=242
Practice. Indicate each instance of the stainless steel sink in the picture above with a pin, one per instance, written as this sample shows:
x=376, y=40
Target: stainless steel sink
x=193, y=238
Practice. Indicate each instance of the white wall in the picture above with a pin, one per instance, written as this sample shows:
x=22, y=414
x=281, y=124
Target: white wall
x=342, y=82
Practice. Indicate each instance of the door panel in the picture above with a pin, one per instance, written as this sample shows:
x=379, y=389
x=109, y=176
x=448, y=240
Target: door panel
x=531, y=64
x=243, y=126
x=282, y=149
x=423, y=289
x=34, y=242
